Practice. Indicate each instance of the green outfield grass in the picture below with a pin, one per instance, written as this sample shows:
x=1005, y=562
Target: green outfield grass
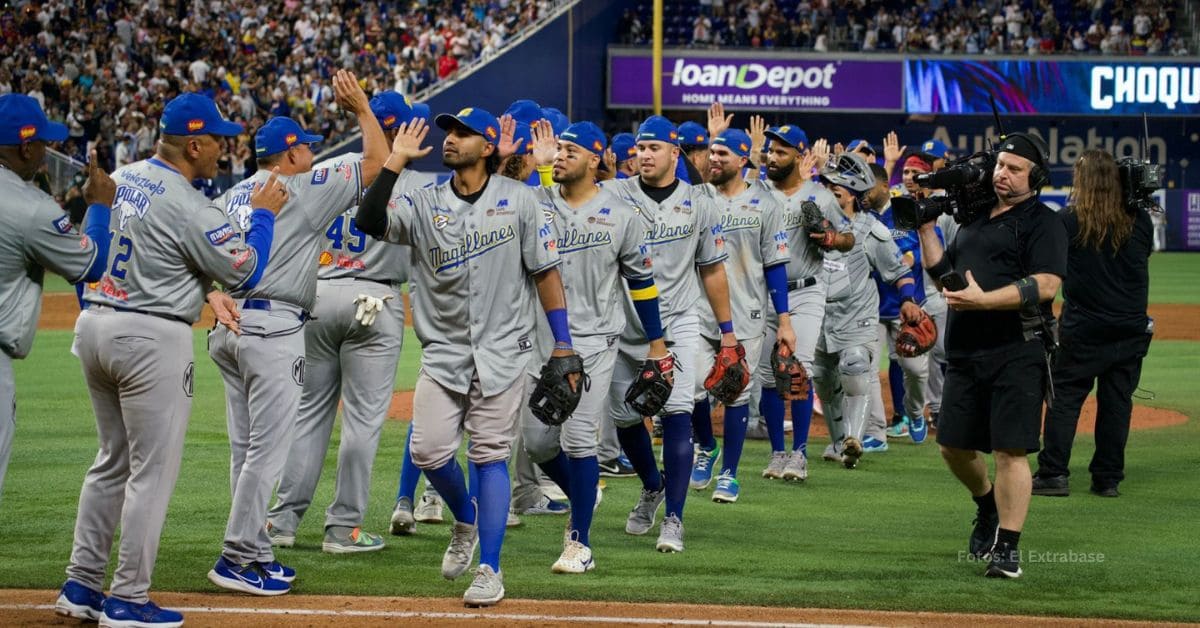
x=887, y=536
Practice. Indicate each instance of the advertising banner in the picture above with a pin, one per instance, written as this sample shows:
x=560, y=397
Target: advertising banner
x=1108, y=87
x=743, y=81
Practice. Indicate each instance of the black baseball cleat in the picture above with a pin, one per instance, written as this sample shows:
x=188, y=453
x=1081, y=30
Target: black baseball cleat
x=1005, y=561
x=983, y=537
x=1051, y=486
x=1105, y=491
x=618, y=467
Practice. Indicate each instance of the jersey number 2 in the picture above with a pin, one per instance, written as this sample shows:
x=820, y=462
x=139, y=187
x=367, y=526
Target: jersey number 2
x=345, y=230
x=123, y=247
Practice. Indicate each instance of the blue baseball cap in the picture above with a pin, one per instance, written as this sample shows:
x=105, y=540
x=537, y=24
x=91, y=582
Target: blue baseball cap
x=854, y=144
x=659, y=129
x=22, y=120
x=524, y=111
x=196, y=114
x=934, y=148
x=391, y=109
x=789, y=134
x=473, y=119
x=558, y=120
x=624, y=146
x=421, y=111
x=280, y=134
x=586, y=135
x=735, y=140
x=692, y=134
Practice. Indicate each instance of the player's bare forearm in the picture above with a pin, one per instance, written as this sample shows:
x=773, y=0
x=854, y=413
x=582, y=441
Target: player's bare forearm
x=375, y=146
x=932, y=250
x=844, y=241
x=716, y=286
x=550, y=290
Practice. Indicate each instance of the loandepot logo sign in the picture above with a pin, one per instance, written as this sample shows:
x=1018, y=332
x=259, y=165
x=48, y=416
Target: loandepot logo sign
x=1165, y=85
x=749, y=76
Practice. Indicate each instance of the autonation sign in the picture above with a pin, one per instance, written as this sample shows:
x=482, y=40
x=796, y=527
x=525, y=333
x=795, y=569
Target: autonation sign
x=786, y=82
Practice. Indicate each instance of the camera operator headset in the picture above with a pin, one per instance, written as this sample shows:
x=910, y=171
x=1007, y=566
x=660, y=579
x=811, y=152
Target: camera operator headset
x=1105, y=330
x=1003, y=267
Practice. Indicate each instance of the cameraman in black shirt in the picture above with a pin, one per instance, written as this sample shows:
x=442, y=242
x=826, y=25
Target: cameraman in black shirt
x=1012, y=259
x=1105, y=331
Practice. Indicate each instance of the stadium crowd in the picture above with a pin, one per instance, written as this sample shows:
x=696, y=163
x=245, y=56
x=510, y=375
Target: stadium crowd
x=929, y=26
x=108, y=68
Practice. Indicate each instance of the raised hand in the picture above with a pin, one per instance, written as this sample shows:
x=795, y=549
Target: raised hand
x=409, y=138
x=892, y=150
x=349, y=94
x=717, y=120
x=271, y=195
x=99, y=187
x=820, y=149
x=508, y=130
x=610, y=165
x=545, y=146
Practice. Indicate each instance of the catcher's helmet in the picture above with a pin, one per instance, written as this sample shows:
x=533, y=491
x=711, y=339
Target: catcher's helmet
x=850, y=171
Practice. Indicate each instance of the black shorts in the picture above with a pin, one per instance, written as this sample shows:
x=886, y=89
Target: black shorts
x=993, y=400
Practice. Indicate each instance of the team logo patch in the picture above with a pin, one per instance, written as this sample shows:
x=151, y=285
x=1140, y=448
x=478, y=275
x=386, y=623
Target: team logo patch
x=389, y=121
x=320, y=175
x=524, y=344
x=62, y=224
x=298, y=371
x=604, y=211
x=673, y=135
x=591, y=219
x=130, y=202
x=755, y=314
x=290, y=139
x=785, y=128
x=632, y=152
x=440, y=221
x=465, y=112
x=491, y=133
x=503, y=203
x=347, y=170
x=241, y=259
x=743, y=146
x=220, y=235
x=596, y=145
x=189, y=378
x=27, y=132
x=549, y=214
x=699, y=139
x=195, y=125
x=325, y=259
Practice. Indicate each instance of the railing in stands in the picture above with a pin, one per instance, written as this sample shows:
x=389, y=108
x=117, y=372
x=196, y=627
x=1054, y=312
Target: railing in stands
x=560, y=7
x=62, y=169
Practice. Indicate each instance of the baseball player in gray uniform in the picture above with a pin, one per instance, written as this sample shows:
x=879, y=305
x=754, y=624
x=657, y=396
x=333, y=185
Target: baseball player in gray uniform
x=351, y=348
x=600, y=240
x=263, y=367
x=789, y=174
x=481, y=251
x=756, y=267
x=37, y=235
x=844, y=355
x=134, y=341
x=683, y=234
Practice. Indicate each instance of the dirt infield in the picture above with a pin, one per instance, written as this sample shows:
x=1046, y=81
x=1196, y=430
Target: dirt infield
x=33, y=607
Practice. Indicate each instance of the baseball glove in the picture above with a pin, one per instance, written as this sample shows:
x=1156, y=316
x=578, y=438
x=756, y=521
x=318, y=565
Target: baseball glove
x=649, y=392
x=915, y=338
x=819, y=229
x=553, y=400
x=729, y=375
x=791, y=380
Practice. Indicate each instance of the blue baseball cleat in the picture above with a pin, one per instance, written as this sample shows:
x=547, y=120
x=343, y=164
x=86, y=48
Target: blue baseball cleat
x=918, y=430
x=250, y=578
x=702, y=468
x=80, y=602
x=120, y=613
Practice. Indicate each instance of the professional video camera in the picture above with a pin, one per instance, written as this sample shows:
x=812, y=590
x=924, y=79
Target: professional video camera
x=1140, y=179
x=968, y=185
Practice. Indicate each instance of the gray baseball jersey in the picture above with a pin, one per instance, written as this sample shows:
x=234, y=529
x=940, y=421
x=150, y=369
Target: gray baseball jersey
x=35, y=235
x=599, y=243
x=806, y=255
x=473, y=300
x=316, y=197
x=682, y=232
x=349, y=252
x=753, y=229
x=168, y=241
x=852, y=300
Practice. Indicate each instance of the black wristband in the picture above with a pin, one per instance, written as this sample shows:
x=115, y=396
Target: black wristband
x=371, y=217
x=1028, y=289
